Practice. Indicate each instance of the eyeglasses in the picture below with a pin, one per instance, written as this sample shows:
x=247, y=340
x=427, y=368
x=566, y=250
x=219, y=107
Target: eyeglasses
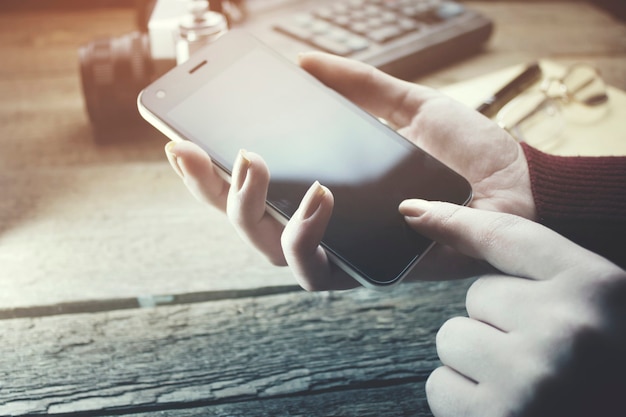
x=540, y=116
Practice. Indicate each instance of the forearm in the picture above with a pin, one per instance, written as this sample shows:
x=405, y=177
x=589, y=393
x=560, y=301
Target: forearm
x=582, y=198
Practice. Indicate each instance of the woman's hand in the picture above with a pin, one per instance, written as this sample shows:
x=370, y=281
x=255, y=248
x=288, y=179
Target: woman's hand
x=463, y=139
x=545, y=337
x=475, y=147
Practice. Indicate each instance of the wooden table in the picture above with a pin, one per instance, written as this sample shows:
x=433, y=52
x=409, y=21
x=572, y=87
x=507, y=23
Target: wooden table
x=119, y=294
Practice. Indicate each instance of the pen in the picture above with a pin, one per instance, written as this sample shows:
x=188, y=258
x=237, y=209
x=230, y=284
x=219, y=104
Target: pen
x=490, y=106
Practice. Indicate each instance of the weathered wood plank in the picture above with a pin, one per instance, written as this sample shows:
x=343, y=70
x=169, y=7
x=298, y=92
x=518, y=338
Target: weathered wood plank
x=392, y=401
x=213, y=353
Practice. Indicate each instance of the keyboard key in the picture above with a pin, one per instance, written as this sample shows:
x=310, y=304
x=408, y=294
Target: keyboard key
x=342, y=20
x=384, y=34
x=339, y=35
x=331, y=46
x=360, y=28
x=326, y=13
x=388, y=17
x=320, y=27
x=357, y=43
x=295, y=30
x=374, y=22
x=408, y=25
x=449, y=10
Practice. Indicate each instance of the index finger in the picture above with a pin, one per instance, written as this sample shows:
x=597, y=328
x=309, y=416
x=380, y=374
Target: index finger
x=510, y=243
x=198, y=173
x=369, y=88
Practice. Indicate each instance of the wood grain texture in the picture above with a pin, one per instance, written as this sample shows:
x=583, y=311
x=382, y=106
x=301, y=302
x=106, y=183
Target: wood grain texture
x=295, y=348
x=393, y=401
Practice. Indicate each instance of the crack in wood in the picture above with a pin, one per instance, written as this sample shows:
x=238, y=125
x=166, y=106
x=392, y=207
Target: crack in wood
x=96, y=306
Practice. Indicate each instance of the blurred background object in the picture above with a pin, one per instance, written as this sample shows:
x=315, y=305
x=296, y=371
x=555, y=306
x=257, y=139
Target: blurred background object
x=405, y=38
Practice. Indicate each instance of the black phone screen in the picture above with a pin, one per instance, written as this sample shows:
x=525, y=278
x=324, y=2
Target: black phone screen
x=307, y=132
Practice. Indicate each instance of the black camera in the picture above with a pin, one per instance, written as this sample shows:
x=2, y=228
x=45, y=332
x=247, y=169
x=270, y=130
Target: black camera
x=114, y=70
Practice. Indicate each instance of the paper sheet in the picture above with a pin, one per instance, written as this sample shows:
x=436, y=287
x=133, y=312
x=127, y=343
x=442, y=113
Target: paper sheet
x=606, y=135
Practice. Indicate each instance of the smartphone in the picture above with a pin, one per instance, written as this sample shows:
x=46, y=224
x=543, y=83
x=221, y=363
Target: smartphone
x=236, y=93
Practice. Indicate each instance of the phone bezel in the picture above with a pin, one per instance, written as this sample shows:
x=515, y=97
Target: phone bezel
x=197, y=60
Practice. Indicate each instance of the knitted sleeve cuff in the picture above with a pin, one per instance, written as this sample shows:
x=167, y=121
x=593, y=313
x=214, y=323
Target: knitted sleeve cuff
x=577, y=188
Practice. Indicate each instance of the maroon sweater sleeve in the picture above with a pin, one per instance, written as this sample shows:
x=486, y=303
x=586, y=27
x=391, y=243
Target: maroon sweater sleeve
x=583, y=198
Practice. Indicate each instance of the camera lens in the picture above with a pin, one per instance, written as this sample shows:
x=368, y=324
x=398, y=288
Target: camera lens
x=113, y=71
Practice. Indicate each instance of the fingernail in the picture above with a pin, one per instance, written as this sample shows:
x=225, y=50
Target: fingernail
x=312, y=200
x=414, y=207
x=241, y=169
x=171, y=156
x=301, y=55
